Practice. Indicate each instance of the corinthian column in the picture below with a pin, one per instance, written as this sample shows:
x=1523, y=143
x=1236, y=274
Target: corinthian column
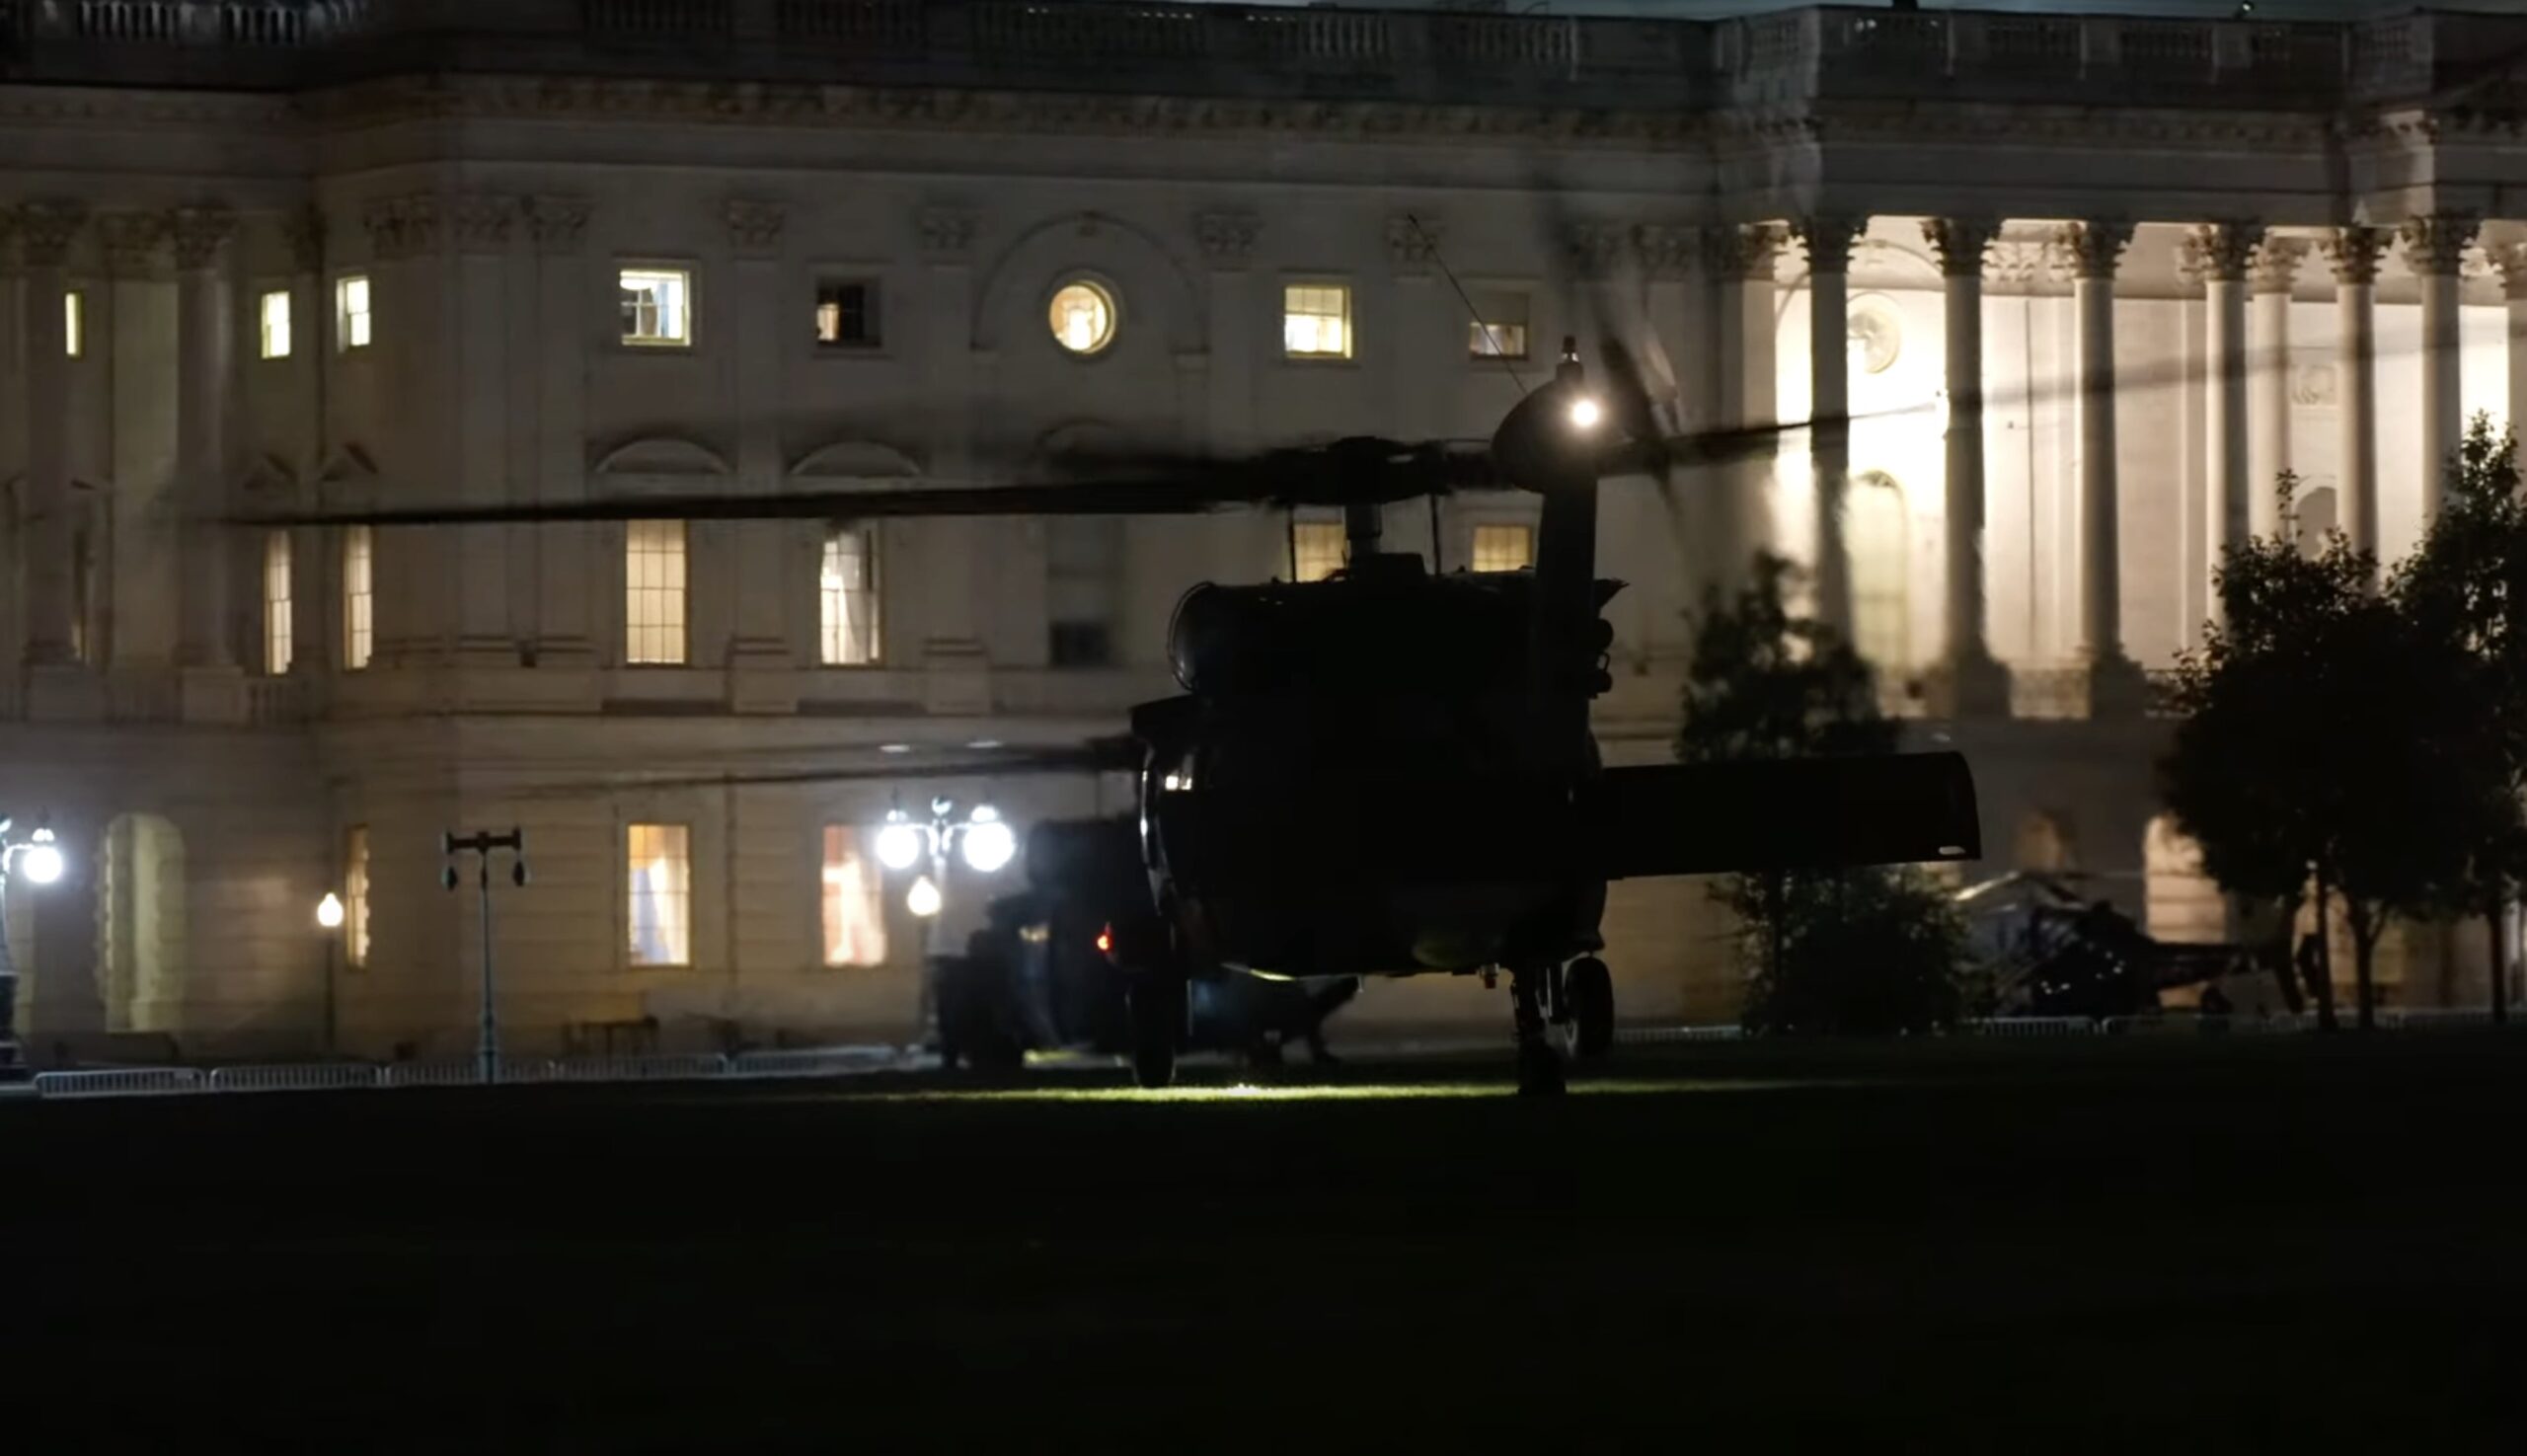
x=1829, y=240
x=2222, y=251
x=2511, y=259
x=1739, y=262
x=2354, y=253
x=203, y=368
x=1969, y=681
x=2274, y=269
x=2435, y=245
x=2093, y=250
x=45, y=231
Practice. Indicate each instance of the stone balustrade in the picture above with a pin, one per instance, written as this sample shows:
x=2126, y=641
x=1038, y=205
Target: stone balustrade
x=1210, y=50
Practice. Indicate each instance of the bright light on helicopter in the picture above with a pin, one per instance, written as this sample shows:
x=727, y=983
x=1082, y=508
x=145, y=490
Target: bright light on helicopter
x=44, y=862
x=989, y=844
x=923, y=898
x=329, y=911
x=898, y=843
x=1584, y=413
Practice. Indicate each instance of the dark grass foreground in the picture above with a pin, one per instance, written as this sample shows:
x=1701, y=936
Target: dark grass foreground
x=2026, y=1248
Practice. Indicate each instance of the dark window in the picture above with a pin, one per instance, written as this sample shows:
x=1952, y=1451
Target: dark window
x=847, y=315
x=1081, y=645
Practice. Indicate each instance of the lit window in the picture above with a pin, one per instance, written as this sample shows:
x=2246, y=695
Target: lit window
x=847, y=315
x=1316, y=321
x=1873, y=527
x=653, y=591
x=847, y=597
x=661, y=866
x=360, y=597
x=74, y=324
x=1083, y=318
x=356, y=896
x=277, y=602
x=853, y=902
x=1500, y=329
x=272, y=313
x=657, y=306
x=1505, y=548
x=351, y=312
x=1316, y=549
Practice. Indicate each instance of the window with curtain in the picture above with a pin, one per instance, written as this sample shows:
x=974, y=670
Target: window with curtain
x=272, y=314
x=1505, y=548
x=847, y=597
x=1316, y=549
x=855, y=907
x=661, y=893
x=654, y=592
x=277, y=635
x=359, y=597
x=352, y=328
x=1316, y=321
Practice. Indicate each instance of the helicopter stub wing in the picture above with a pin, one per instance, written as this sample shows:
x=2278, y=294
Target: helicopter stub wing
x=1799, y=813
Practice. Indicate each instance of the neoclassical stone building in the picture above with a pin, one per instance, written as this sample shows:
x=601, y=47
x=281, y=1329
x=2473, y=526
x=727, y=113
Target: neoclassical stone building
x=2084, y=283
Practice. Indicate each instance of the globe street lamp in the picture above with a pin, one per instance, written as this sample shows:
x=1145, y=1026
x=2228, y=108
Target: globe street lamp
x=329, y=918
x=39, y=858
x=982, y=839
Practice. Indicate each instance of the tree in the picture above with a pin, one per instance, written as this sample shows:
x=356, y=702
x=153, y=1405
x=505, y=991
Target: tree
x=2468, y=584
x=1854, y=952
x=2332, y=743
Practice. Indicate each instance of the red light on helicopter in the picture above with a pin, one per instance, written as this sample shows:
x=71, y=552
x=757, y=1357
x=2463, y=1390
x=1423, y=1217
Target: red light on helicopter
x=1105, y=941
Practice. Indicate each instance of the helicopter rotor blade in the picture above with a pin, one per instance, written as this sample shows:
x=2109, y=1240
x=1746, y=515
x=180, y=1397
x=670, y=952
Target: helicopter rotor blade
x=1095, y=756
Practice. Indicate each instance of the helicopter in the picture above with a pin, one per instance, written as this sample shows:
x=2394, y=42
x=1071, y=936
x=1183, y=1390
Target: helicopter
x=1447, y=716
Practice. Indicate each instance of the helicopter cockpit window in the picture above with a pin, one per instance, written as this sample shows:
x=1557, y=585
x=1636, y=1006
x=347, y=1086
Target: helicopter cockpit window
x=1083, y=317
x=1505, y=548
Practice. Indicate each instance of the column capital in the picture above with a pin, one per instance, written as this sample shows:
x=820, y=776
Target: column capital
x=2438, y=244
x=1595, y=251
x=755, y=226
x=947, y=233
x=2510, y=259
x=45, y=231
x=1829, y=238
x=559, y=223
x=2274, y=267
x=481, y=221
x=1745, y=251
x=401, y=227
x=1412, y=242
x=2354, y=253
x=304, y=227
x=1667, y=250
x=134, y=243
x=198, y=234
x=1227, y=238
x=2221, y=252
x=1961, y=244
x=2091, y=249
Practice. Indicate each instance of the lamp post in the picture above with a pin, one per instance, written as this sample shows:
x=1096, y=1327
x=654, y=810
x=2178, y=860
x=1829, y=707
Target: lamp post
x=487, y=1051
x=985, y=839
x=39, y=858
x=329, y=917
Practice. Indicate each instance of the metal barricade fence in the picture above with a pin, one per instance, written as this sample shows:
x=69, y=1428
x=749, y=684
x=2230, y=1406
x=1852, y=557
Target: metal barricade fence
x=119, y=1082
x=1668, y=1036
x=298, y=1077
x=2031, y=1026
x=634, y=1068
x=428, y=1074
x=827, y=1061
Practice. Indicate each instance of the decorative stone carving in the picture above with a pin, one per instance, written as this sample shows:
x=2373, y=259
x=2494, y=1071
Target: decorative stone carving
x=198, y=234
x=2093, y=249
x=400, y=227
x=754, y=227
x=2017, y=264
x=558, y=223
x=305, y=229
x=2314, y=384
x=2275, y=264
x=2354, y=253
x=1747, y=251
x=481, y=221
x=1962, y=242
x=134, y=243
x=1412, y=242
x=2511, y=259
x=1829, y=239
x=1594, y=250
x=1226, y=236
x=2437, y=245
x=1874, y=335
x=45, y=231
x=947, y=233
x=1667, y=250
x=2221, y=250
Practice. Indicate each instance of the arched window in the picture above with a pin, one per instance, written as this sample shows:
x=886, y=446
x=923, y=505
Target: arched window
x=1877, y=539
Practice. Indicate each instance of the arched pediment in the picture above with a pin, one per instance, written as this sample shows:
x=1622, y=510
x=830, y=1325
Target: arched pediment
x=268, y=475
x=1089, y=435
x=350, y=465
x=1155, y=295
x=661, y=455
x=854, y=459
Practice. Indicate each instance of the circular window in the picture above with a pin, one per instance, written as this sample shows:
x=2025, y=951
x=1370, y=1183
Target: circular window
x=1083, y=318
x=1876, y=334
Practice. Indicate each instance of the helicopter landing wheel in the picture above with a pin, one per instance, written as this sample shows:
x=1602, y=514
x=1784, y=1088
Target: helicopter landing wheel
x=1538, y=1065
x=1157, y=1001
x=1589, y=1009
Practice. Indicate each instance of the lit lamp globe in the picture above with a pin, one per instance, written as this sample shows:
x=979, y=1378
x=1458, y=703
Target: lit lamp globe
x=989, y=844
x=329, y=911
x=43, y=861
x=923, y=900
x=898, y=843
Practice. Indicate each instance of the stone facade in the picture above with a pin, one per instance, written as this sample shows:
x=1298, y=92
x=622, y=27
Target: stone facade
x=2074, y=343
